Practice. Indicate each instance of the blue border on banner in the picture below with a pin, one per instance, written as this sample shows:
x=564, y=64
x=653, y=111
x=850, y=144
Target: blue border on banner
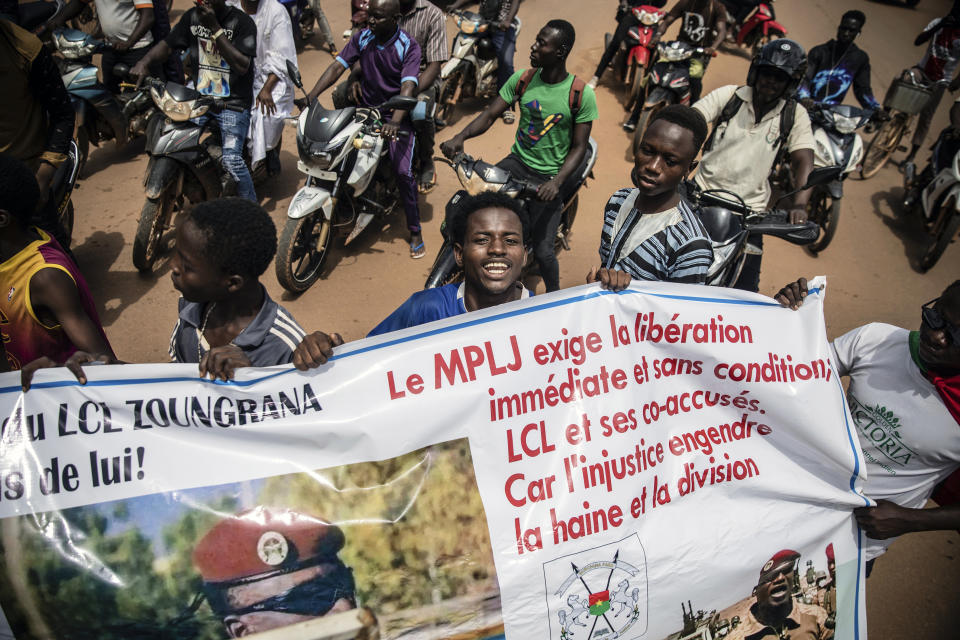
x=390, y=343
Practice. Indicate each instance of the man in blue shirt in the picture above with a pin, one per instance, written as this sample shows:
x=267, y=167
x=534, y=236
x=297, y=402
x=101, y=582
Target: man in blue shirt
x=488, y=232
x=835, y=66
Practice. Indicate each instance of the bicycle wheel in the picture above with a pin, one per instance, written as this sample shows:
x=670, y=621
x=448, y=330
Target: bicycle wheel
x=882, y=146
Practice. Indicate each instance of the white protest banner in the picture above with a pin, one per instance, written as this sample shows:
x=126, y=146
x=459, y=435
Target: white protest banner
x=667, y=462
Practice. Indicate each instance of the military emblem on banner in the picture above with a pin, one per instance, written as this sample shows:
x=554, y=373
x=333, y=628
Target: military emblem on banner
x=598, y=594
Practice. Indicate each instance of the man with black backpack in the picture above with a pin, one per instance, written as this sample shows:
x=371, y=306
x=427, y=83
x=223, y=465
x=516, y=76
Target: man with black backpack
x=557, y=111
x=750, y=126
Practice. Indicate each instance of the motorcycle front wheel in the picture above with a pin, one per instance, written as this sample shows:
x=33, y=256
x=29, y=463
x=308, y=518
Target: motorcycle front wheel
x=882, y=146
x=825, y=211
x=644, y=122
x=445, y=104
x=154, y=218
x=302, y=250
x=637, y=88
x=566, y=225
x=948, y=228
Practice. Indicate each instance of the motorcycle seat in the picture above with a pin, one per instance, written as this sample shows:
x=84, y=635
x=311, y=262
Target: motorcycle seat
x=322, y=124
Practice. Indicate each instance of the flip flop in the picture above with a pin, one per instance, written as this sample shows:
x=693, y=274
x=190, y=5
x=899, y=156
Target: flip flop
x=509, y=117
x=427, y=184
x=417, y=251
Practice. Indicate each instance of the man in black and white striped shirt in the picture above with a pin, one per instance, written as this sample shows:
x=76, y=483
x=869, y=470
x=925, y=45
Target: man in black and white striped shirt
x=650, y=232
x=426, y=24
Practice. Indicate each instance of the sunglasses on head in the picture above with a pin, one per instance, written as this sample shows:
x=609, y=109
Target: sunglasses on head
x=935, y=320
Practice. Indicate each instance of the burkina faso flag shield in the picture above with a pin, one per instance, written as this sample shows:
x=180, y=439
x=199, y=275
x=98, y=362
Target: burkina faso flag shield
x=599, y=603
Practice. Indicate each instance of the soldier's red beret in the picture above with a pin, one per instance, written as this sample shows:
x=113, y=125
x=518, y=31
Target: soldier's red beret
x=264, y=541
x=779, y=558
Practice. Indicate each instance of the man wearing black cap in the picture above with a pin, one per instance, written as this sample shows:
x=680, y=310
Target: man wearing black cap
x=266, y=568
x=774, y=614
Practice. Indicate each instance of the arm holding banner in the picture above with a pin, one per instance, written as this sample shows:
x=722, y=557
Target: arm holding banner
x=889, y=520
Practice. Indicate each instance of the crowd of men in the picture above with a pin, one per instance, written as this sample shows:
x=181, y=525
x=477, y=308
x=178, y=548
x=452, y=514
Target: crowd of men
x=729, y=139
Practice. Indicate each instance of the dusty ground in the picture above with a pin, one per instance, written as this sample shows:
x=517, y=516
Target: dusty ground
x=916, y=586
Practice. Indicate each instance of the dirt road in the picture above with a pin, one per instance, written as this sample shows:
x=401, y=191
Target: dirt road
x=916, y=586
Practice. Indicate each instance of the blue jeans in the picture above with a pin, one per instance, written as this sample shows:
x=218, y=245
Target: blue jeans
x=233, y=131
x=505, y=42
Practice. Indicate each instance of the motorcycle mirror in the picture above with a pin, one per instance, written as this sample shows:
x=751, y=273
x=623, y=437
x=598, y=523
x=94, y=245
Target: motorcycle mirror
x=819, y=176
x=405, y=103
x=294, y=74
x=822, y=175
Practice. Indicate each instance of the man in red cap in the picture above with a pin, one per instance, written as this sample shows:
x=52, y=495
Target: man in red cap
x=775, y=615
x=264, y=569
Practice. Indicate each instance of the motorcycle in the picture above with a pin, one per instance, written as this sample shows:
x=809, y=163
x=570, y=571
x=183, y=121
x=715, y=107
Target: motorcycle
x=101, y=116
x=668, y=81
x=472, y=67
x=729, y=223
x=632, y=62
x=478, y=176
x=347, y=185
x=184, y=163
x=757, y=29
x=57, y=215
x=836, y=143
x=938, y=200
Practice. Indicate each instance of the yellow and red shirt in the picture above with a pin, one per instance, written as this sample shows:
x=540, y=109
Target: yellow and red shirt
x=25, y=336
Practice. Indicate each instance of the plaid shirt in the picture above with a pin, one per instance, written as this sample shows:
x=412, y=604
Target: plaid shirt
x=426, y=24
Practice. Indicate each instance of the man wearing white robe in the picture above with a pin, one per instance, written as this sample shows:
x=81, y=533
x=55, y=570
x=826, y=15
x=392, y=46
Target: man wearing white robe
x=272, y=88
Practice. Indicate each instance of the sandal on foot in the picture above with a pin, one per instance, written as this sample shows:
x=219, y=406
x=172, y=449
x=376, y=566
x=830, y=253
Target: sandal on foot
x=509, y=117
x=417, y=251
x=427, y=181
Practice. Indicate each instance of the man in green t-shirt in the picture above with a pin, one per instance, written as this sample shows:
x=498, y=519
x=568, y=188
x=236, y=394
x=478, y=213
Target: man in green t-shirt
x=549, y=145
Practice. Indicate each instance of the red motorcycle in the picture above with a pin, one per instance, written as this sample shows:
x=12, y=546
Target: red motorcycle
x=759, y=28
x=637, y=52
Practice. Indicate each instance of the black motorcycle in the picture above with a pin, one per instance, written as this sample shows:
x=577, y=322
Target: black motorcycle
x=478, y=176
x=184, y=163
x=729, y=223
x=668, y=82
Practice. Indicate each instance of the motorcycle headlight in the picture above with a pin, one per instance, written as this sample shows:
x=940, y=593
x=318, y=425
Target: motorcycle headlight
x=721, y=254
x=176, y=110
x=674, y=54
x=74, y=50
x=468, y=27
x=845, y=124
x=647, y=18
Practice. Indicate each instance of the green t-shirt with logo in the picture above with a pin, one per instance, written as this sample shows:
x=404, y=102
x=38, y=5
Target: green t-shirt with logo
x=545, y=132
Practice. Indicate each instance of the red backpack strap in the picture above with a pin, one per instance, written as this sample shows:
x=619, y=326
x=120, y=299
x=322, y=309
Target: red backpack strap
x=523, y=83
x=576, y=97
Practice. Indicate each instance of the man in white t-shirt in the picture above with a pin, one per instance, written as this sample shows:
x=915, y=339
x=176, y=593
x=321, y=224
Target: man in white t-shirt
x=125, y=24
x=751, y=124
x=904, y=397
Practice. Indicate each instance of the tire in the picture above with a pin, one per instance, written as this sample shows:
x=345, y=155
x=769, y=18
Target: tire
x=445, y=270
x=763, y=40
x=150, y=229
x=825, y=211
x=643, y=122
x=302, y=250
x=445, y=107
x=882, y=146
x=66, y=225
x=944, y=236
x=636, y=89
x=83, y=149
x=566, y=225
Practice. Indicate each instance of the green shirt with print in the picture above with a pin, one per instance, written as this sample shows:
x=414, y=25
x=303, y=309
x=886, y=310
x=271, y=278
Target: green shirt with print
x=545, y=132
